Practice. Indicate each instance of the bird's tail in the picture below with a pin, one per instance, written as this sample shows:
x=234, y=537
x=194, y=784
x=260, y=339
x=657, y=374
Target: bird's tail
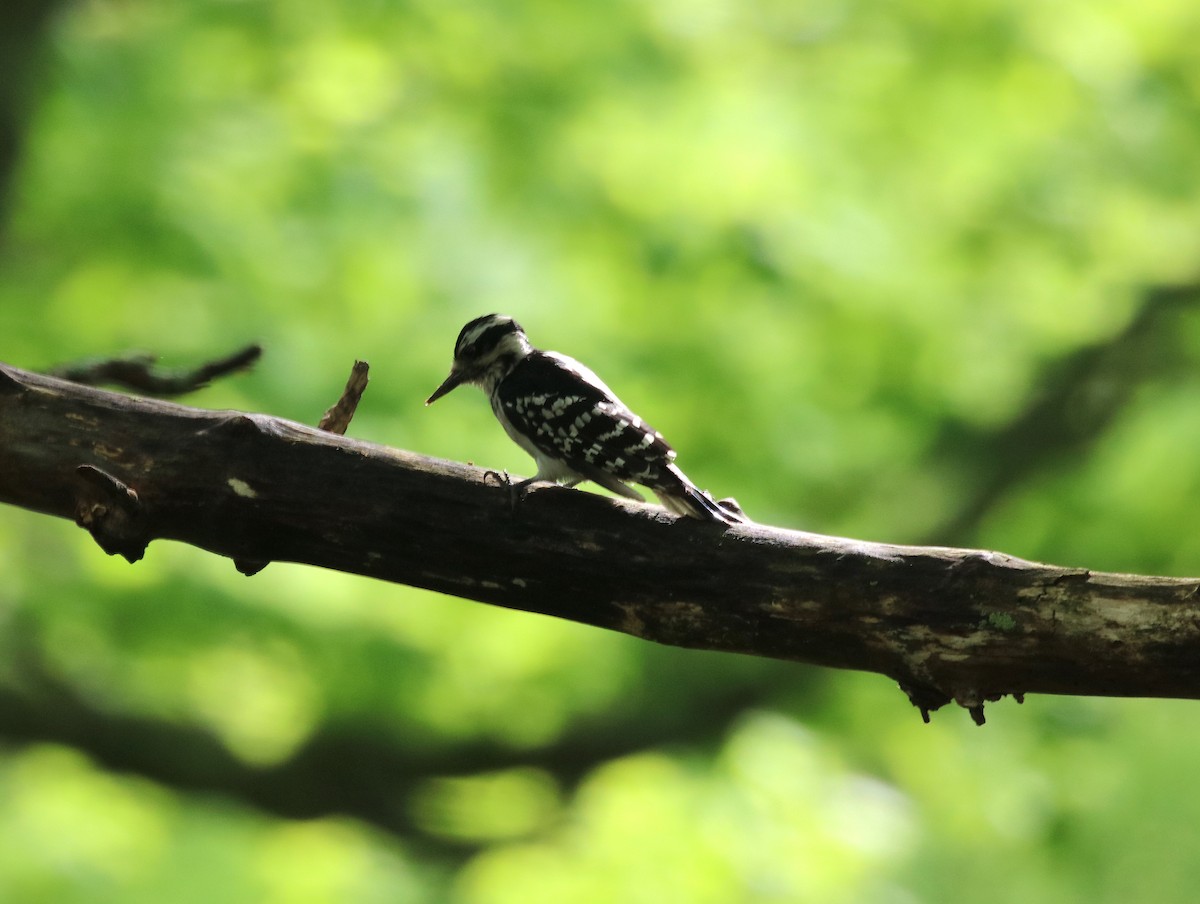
x=684, y=498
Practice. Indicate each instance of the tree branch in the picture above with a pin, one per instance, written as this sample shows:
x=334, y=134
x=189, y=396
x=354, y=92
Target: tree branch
x=947, y=624
x=368, y=775
x=138, y=371
x=1080, y=396
x=337, y=418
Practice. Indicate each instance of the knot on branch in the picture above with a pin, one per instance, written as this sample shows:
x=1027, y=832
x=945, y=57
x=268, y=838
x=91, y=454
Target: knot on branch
x=250, y=567
x=236, y=424
x=112, y=513
x=928, y=698
x=925, y=697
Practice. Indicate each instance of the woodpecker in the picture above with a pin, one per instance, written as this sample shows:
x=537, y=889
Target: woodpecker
x=573, y=425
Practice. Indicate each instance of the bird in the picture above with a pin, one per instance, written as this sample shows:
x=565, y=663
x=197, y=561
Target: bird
x=570, y=422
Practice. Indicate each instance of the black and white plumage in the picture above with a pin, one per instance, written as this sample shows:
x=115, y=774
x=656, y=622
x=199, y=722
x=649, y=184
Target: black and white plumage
x=573, y=425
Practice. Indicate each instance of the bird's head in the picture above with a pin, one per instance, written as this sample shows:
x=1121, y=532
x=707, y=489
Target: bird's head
x=487, y=349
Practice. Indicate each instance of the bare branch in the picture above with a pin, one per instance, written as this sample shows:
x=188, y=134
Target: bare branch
x=1080, y=395
x=337, y=419
x=948, y=624
x=137, y=371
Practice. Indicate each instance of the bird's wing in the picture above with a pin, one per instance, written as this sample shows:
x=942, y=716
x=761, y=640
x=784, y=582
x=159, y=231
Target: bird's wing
x=567, y=412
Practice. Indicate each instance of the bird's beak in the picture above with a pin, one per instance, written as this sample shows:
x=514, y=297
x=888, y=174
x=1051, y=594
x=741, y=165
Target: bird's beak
x=455, y=378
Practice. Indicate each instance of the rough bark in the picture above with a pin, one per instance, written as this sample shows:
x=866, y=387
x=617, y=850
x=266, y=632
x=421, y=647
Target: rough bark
x=947, y=624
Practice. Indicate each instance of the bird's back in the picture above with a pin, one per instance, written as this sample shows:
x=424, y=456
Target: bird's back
x=567, y=412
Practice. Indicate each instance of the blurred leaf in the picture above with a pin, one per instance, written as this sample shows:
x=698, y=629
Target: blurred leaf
x=837, y=253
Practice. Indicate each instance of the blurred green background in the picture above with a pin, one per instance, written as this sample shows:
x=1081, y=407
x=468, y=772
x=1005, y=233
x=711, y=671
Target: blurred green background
x=909, y=272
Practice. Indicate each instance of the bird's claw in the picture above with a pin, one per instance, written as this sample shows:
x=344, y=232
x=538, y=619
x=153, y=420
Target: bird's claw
x=516, y=491
x=501, y=477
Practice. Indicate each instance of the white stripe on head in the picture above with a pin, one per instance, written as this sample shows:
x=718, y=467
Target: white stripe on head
x=487, y=338
x=472, y=331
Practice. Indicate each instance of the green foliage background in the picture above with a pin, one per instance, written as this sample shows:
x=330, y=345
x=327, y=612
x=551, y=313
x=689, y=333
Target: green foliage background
x=836, y=252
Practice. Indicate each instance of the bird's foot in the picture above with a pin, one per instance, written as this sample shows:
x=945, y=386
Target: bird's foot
x=501, y=477
x=516, y=491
